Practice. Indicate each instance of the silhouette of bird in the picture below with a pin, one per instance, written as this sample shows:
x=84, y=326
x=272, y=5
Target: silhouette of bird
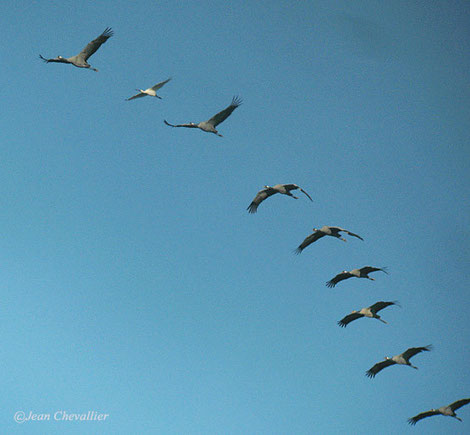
x=80, y=60
x=443, y=410
x=209, y=125
x=358, y=273
x=370, y=312
x=324, y=231
x=284, y=189
x=403, y=358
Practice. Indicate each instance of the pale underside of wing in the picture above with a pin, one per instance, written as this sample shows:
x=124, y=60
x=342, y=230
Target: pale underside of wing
x=159, y=85
x=139, y=95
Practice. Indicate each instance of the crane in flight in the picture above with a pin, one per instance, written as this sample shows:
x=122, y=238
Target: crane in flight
x=324, y=231
x=448, y=410
x=284, y=189
x=149, y=91
x=80, y=60
x=370, y=312
x=363, y=272
x=403, y=358
x=209, y=125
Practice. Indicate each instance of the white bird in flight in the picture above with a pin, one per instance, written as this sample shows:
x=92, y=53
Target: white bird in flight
x=150, y=91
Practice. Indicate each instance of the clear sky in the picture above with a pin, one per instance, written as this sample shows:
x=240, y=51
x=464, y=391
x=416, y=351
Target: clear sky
x=134, y=282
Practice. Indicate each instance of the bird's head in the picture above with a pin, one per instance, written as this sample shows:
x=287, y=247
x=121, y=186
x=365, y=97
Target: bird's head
x=59, y=57
x=315, y=230
x=354, y=312
x=266, y=187
x=386, y=358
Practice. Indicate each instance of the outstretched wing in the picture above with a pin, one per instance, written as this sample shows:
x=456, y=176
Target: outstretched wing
x=224, y=114
x=290, y=187
x=369, y=269
x=159, y=85
x=416, y=418
x=139, y=95
x=95, y=44
x=412, y=351
x=349, y=318
x=458, y=404
x=380, y=306
x=378, y=367
x=308, y=241
x=53, y=60
x=259, y=198
x=340, y=277
x=303, y=191
x=352, y=234
x=338, y=229
x=180, y=125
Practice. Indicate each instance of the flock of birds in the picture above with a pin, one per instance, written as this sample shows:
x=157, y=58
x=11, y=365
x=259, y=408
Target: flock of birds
x=371, y=312
x=80, y=61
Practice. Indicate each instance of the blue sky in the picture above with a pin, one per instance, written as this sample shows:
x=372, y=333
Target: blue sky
x=135, y=283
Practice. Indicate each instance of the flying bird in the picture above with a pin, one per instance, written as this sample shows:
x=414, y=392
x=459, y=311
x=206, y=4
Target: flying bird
x=363, y=272
x=209, y=125
x=149, y=91
x=80, y=60
x=403, y=358
x=370, y=312
x=268, y=191
x=443, y=410
x=324, y=231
